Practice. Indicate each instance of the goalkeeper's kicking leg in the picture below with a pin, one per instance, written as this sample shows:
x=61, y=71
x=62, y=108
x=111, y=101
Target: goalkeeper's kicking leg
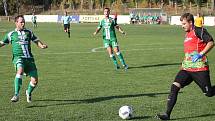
x=184, y=78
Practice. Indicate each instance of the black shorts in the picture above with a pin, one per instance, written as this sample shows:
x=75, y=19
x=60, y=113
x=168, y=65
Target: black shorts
x=201, y=78
x=66, y=26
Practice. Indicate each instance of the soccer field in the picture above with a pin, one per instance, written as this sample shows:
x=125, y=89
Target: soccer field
x=78, y=82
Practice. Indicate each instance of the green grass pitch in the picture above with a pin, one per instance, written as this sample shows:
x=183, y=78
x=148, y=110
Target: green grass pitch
x=77, y=80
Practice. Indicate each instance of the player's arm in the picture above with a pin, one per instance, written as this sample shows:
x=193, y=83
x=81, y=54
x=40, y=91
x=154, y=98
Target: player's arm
x=99, y=27
x=40, y=44
x=97, y=31
x=2, y=43
x=207, y=48
x=120, y=29
x=207, y=38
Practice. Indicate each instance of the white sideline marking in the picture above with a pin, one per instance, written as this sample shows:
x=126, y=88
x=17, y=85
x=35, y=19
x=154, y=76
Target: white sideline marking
x=97, y=49
x=63, y=53
x=94, y=49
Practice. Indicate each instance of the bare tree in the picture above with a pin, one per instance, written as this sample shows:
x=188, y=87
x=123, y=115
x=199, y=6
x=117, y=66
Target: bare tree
x=212, y=5
x=82, y=4
x=17, y=6
x=5, y=7
x=92, y=4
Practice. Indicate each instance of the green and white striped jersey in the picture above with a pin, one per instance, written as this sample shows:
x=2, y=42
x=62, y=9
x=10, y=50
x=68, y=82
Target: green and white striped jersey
x=21, y=42
x=108, y=28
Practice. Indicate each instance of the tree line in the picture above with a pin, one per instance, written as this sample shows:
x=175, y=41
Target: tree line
x=11, y=7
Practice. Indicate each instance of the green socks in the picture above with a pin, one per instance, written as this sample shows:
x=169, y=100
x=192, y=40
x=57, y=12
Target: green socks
x=17, y=83
x=121, y=58
x=114, y=60
x=31, y=87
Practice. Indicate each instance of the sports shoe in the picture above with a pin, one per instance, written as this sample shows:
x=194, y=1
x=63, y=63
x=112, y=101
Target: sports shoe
x=28, y=96
x=163, y=116
x=15, y=98
x=125, y=67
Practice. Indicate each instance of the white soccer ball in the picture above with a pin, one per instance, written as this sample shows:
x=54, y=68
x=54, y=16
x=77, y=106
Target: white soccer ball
x=125, y=112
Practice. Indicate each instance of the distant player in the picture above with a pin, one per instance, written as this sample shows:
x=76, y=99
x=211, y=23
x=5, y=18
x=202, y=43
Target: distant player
x=115, y=17
x=195, y=66
x=23, y=60
x=108, y=26
x=199, y=21
x=66, y=23
x=34, y=20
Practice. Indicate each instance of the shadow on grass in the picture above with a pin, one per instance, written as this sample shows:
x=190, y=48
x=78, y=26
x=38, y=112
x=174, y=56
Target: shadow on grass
x=155, y=65
x=141, y=117
x=190, y=117
x=91, y=100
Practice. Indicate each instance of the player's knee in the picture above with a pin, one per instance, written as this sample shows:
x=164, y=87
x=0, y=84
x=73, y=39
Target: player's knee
x=177, y=84
x=33, y=83
x=34, y=80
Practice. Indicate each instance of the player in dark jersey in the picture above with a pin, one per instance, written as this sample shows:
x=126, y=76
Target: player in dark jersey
x=198, y=42
x=23, y=60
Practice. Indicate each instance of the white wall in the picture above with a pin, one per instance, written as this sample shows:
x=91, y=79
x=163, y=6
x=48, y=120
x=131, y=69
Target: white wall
x=42, y=18
x=121, y=19
x=208, y=20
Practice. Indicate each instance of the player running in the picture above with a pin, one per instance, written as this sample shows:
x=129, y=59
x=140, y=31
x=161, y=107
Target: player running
x=108, y=26
x=34, y=20
x=198, y=42
x=66, y=23
x=23, y=60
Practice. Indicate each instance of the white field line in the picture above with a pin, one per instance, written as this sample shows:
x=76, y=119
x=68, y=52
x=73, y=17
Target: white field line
x=98, y=50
